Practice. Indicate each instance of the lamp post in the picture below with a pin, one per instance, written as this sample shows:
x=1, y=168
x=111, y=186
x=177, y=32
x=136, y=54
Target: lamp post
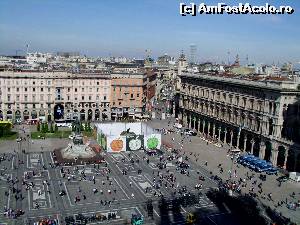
x=233, y=156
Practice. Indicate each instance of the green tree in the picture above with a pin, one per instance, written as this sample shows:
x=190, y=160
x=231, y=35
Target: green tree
x=38, y=127
x=46, y=128
x=86, y=127
x=51, y=128
x=56, y=128
x=5, y=129
x=81, y=127
x=43, y=128
x=89, y=126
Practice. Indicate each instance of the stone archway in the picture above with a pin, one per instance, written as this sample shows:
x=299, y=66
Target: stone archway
x=9, y=115
x=18, y=116
x=82, y=115
x=291, y=160
x=222, y=133
x=104, y=114
x=75, y=114
x=90, y=114
x=268, y=150
x=97, y=114
x=228, y=136
x=34, y=114
x=256, y=147
x=26, y=115
x=41, y=113
x=281, y=156
x=58, y=111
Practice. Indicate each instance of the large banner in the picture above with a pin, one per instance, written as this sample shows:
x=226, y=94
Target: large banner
x=152, y=141
x=134, y=143
x=116, y=144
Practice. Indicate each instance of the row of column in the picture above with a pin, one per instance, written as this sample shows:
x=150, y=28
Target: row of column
x=262, y=148
x=46, y=114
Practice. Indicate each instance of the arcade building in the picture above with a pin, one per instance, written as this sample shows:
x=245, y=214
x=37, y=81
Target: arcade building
x=54, y=95
x=262, y=118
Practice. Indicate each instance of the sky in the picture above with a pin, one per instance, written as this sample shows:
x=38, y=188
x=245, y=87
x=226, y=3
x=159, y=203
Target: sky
x=128, y=28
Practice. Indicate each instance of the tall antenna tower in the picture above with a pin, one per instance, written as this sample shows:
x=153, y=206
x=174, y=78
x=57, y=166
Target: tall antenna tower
x=27, y=48
x=228, y=55
x=193, y=52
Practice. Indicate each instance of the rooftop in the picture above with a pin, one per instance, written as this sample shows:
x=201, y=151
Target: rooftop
x=274, y=83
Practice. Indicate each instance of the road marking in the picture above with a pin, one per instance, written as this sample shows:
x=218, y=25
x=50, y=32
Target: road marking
x=42, y=159
x=218, y=214
x=125, y=156
x=156, y=212
x=51, y=158
x=49, y=196
x=68, y=194
x=115, y=220
x=8, y=199
x=27, y=161
x=28, y=192
x=131, y=178
x=212, y=220
x=118, y=168
x=183, y=209
x=121, y=188
x=12, y=163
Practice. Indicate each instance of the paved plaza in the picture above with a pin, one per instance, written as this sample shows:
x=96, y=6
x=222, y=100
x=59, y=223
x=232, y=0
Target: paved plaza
x=63, y=191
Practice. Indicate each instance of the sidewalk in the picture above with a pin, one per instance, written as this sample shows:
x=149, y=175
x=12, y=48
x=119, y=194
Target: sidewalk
x=214, y=156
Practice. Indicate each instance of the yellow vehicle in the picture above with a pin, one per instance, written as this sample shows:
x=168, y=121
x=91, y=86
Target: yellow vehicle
x=190, y=218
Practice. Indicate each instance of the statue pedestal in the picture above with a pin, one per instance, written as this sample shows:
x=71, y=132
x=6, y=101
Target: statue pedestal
x=74, y=151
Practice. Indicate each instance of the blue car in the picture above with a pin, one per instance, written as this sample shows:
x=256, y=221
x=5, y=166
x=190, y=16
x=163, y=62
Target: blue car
x=263, y=167
x=243, y=159
x=272, y=171
x=259, y=163
x=250, y=161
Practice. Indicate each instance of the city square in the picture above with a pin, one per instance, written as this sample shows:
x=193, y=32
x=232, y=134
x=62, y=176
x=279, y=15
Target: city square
x=60, y=192
x=149, y=112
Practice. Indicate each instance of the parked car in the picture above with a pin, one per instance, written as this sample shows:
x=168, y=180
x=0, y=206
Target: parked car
x=249, y=161
x=263, y=167
x=272, y=171
x=244, y=157
x=253, y=163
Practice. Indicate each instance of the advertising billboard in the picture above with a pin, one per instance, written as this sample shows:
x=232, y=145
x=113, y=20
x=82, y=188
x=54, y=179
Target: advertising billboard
x=116, y=144
x=134, y=143
x=152, y=141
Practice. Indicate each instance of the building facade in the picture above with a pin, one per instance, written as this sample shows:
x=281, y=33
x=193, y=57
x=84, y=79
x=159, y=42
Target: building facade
x=251, y=116
x=54, y=95
x=128, y=94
